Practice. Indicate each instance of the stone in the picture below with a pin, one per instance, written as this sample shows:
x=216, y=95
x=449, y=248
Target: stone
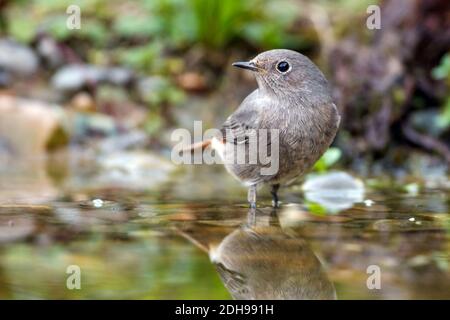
x=335, y=191
x=49, y=50
x=133, y=169
x=17, y=59
x=29, y=127
x=74, y=77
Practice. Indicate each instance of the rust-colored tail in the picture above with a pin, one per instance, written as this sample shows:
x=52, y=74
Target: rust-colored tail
x=195, y=146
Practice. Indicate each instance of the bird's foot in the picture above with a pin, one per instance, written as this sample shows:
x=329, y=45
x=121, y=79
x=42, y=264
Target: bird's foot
x=275, y=203
x=274, y=192
x=251, y=197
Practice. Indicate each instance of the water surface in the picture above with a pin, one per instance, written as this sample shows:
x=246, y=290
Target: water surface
x=190, y=235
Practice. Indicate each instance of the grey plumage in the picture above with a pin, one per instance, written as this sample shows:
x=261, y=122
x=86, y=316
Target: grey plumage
x=296, y=102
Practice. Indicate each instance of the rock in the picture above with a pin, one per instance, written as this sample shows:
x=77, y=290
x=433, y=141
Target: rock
x=332, y=181
x=148, y=85
x=83, y=102
x=74, y=77
x=124, y=141
x=49, y=50
x=335, y=191
x=133, y=170
x=118, y=76
x=192, y=81
x=29, y=127
x=17, y=58
x=87, y=124
x=5, y=78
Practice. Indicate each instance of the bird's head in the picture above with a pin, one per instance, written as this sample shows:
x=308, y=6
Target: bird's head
x=286, y=73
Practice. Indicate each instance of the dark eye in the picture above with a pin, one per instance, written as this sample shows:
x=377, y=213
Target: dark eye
x=283, y=66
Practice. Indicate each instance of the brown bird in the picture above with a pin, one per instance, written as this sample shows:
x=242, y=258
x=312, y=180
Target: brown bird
x=293, y=106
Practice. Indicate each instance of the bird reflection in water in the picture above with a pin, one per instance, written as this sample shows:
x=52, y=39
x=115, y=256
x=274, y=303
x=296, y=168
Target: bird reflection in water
x=259, y=260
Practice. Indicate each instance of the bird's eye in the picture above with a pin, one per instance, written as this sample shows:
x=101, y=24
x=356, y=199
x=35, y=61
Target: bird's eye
x=283, y=66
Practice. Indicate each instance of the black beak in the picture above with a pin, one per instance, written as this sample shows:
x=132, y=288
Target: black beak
x=246, y=65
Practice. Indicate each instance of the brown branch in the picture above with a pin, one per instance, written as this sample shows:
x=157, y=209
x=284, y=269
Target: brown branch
x=426, y=141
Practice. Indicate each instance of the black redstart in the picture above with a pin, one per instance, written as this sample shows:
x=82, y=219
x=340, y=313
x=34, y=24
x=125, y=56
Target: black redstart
x=294, y=101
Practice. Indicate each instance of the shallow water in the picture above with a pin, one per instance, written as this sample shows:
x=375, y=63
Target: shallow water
x=191, y=236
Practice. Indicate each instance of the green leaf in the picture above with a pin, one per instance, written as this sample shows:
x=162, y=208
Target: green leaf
x=443, y=120
x=316, y=208
x=136, y=26
x=328, y=159
x=22, y=30
x=442, y=71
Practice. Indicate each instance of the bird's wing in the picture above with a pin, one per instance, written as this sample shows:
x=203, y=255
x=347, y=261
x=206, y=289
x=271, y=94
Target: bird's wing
x=240, y=125
x=235, y=282
x=244, y=122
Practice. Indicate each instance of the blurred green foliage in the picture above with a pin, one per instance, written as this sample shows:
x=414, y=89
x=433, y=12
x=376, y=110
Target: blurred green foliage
x=151, y=36
x=315, y=208
x=257, y=21
x=176, y=24
x=442, y=71
x=329, y=158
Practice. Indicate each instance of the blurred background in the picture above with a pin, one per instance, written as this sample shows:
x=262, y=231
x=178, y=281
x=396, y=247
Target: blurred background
x=137, y=69
x=86, y=117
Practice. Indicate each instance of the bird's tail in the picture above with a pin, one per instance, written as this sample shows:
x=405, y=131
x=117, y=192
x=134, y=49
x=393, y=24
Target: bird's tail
x=196, y=146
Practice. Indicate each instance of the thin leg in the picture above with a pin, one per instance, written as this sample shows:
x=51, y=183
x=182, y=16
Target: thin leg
x=251, y=217
x=274, y=192
x=252, y=196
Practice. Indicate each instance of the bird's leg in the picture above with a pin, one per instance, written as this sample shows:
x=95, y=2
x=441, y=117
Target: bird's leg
x=252, y=196
x=274, y=191
x=251, y=217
